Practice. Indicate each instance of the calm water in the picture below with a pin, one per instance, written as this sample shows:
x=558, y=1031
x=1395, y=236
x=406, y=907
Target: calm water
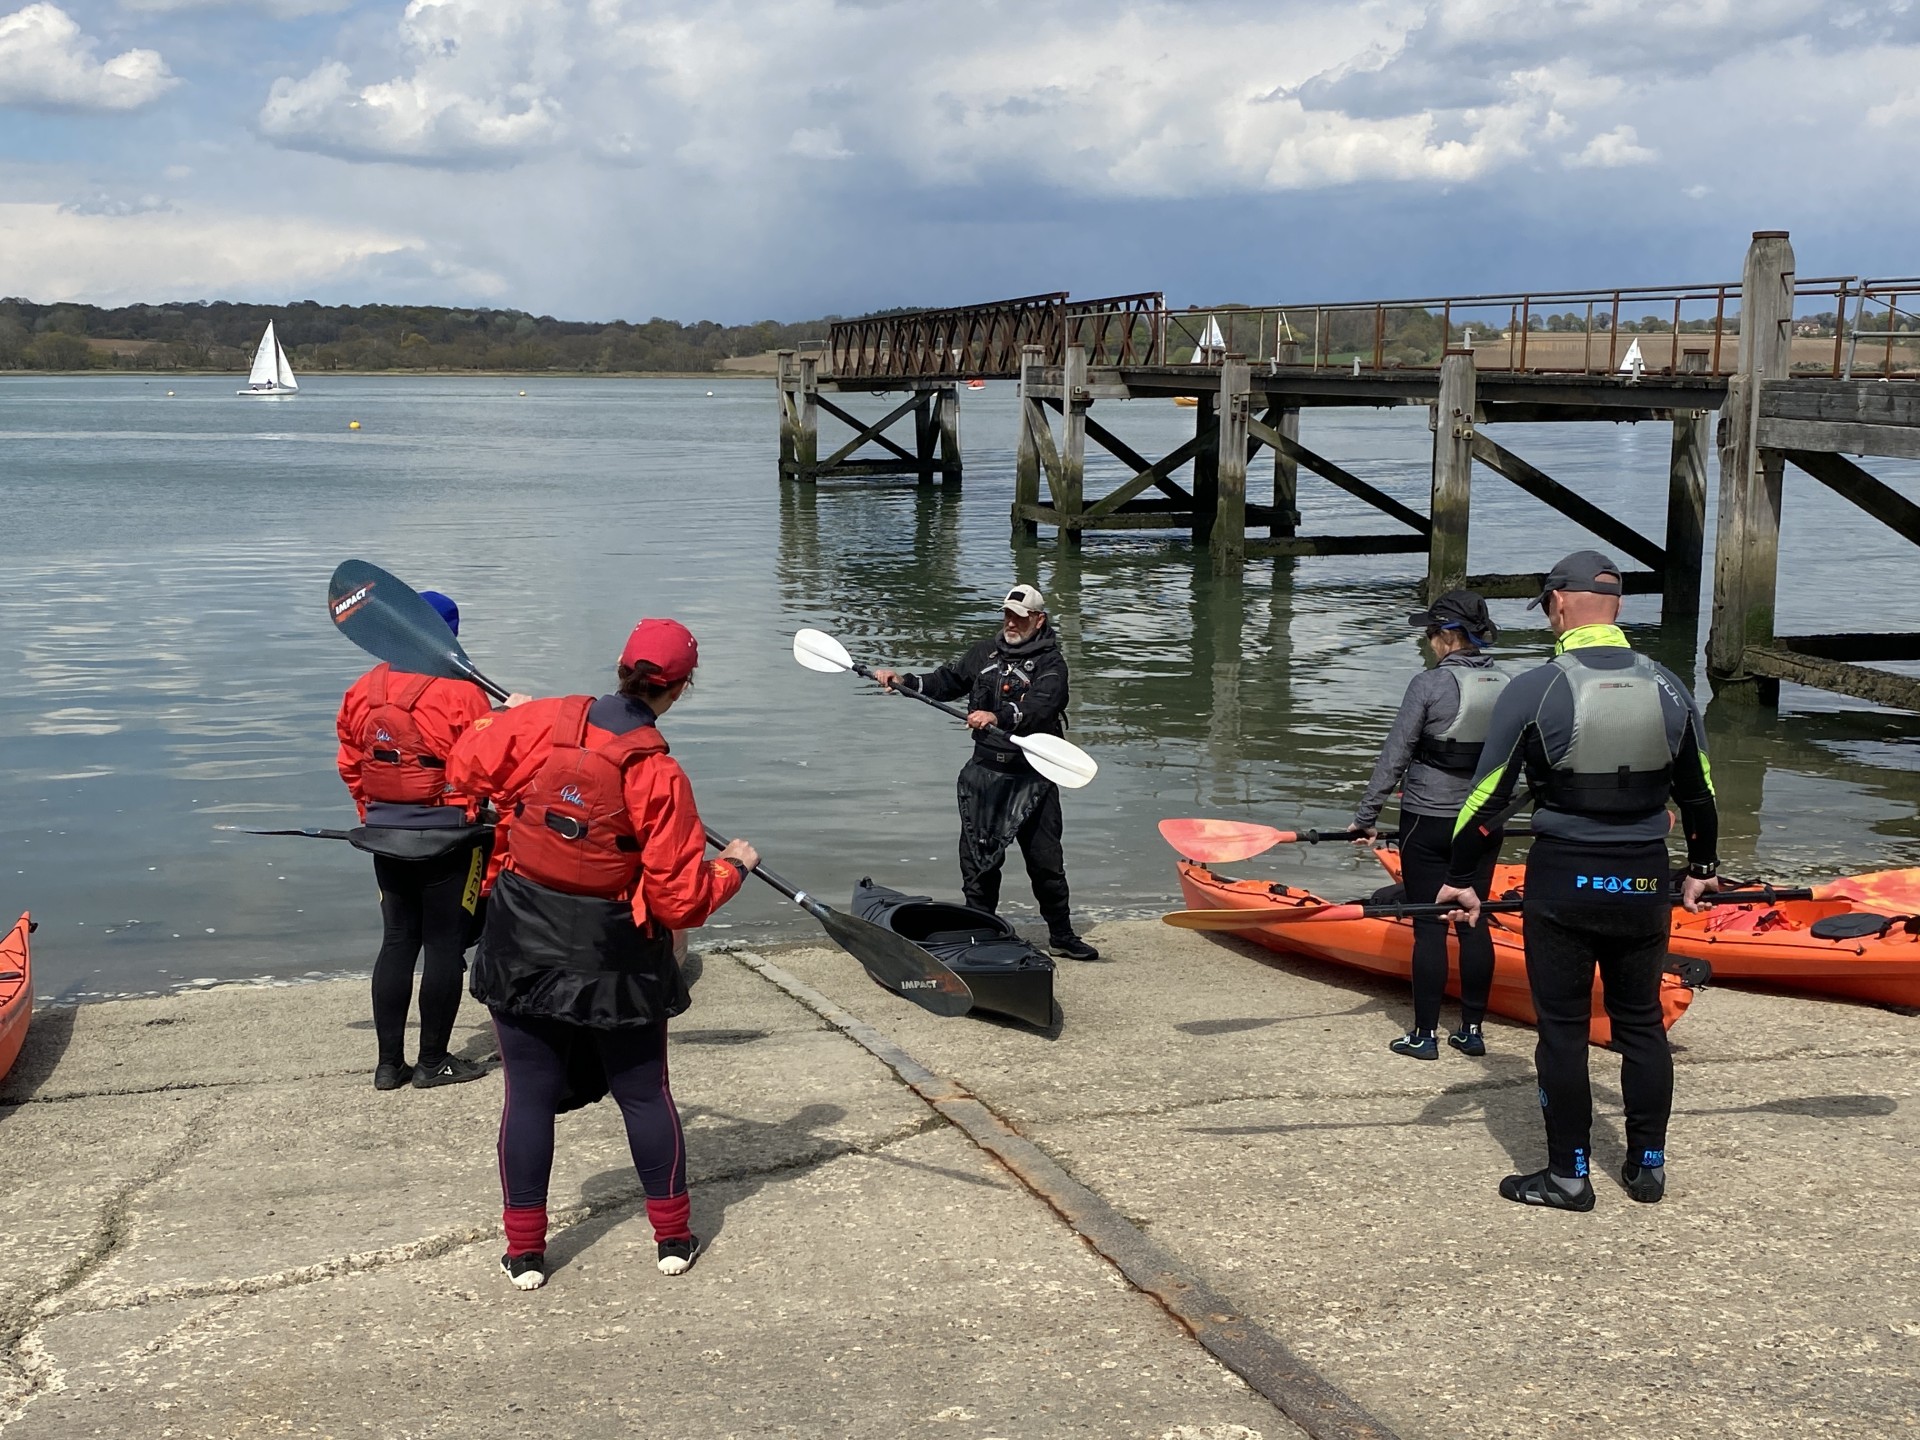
x=166, y=666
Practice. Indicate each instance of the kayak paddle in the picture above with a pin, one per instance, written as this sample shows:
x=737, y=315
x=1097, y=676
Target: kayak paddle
x=1058, y=760
x=1219, y=841
x=893, y=960
x=1361, y=910
x=384, y=616
x=308, y=834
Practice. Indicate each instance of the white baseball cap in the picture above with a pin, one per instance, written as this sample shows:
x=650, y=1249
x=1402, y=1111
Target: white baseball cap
x=1024, y=600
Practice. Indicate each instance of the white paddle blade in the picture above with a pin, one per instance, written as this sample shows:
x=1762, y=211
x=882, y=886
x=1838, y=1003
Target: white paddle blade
x=1060, y=761
x=818, y=650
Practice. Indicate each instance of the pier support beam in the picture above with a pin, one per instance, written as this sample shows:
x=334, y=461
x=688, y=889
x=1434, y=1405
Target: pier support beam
x=1228, y=537
x=1285, y=521
x=786, y=383
x=1069, y=492
x=1746, y=557
x=1452, y=474
x=1206, y=466
x=947, y=419
x=1026, y=455
x=1686, y=518
x=806, y=443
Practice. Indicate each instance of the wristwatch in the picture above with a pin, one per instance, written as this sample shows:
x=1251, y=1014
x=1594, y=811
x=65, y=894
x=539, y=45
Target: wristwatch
x=739, y=869
x=1703, y=869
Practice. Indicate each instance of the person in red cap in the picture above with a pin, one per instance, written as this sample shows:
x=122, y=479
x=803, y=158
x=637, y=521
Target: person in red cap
x=604, y=858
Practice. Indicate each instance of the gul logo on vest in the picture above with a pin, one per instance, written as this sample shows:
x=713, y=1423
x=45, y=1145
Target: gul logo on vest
x=380, y=733
x=1618, y=884
x=570, y=795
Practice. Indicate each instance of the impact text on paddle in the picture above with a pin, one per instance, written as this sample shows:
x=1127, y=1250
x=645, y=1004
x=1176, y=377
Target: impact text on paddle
x=384, y=616
x=891, y=959
x=1360, y=910
x=1060, y=761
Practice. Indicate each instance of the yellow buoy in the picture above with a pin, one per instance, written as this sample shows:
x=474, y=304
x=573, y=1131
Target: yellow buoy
x=523, y=392
x=169, y=392
x=353, y=425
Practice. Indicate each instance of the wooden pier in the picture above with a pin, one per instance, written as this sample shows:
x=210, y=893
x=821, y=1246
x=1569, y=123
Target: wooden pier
x=1251, y=374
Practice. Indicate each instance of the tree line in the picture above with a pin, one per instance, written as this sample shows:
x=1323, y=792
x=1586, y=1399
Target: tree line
x=221, y=335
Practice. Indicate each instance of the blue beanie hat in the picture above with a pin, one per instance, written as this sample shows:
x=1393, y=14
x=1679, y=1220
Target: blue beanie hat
x=447, y=610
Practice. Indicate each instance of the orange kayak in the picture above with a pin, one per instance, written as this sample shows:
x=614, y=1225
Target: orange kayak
x=16, y=993
x=1385, y=947
x=1784, y=944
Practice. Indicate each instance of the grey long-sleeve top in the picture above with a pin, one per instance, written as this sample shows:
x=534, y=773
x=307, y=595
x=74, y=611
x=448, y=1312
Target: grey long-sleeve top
x=1429, y=706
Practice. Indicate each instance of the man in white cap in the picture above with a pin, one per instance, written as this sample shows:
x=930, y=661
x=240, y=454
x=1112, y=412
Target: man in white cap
x=1016, y=680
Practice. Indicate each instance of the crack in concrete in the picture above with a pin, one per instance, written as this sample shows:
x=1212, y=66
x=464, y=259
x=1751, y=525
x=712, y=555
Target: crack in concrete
x=432, y=1247
x=21, y=1354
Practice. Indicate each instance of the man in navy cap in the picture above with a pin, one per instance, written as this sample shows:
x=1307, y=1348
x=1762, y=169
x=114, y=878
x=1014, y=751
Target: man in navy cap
x=1605, y=737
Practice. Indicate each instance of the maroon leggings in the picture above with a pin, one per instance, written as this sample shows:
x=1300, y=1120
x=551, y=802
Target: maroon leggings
x=535, y=1053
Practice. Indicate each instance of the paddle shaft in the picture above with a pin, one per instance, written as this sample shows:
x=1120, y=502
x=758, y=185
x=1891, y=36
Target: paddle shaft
x=793, y=892
x=953, y=710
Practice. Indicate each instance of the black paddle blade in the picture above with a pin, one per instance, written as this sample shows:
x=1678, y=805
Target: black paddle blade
x=898, y=964
x=384, y=616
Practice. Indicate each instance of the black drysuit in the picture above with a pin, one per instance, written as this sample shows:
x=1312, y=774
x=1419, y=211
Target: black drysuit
x=1002, y=799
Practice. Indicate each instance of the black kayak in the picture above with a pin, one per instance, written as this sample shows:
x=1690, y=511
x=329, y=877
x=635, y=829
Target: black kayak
x=1006, y=974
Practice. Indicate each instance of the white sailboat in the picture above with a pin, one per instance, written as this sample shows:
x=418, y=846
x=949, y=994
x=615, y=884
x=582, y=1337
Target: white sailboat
x=271, y=375
x=1212, y=346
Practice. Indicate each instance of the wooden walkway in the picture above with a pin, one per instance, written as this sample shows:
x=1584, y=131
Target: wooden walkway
x=1782, y=396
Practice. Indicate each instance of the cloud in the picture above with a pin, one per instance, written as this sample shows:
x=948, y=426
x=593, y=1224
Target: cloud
x=280, y=9
x=105, y=204
x=1612, y=149
x=116, y=256
x=46, y=62
x=480, y=92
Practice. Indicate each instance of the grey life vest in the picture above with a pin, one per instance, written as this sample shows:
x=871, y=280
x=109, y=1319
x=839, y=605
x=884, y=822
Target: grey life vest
x=1458, y=746
x=1618, y=763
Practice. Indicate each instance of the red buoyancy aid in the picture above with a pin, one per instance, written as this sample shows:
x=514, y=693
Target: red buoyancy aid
x=571, y=831
x=396, y=766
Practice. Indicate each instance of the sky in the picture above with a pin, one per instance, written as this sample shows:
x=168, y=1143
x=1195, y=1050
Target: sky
x=739, y=160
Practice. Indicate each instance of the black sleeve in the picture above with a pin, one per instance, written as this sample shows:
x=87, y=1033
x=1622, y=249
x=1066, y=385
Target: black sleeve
x=1693, y=790
x=953, y=681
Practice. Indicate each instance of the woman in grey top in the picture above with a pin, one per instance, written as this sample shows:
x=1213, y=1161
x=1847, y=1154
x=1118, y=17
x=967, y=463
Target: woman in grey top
x=1429, y=756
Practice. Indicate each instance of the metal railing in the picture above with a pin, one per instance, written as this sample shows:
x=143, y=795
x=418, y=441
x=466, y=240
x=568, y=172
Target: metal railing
x=985, y=341
x=1672, y=330
x=1647, y=329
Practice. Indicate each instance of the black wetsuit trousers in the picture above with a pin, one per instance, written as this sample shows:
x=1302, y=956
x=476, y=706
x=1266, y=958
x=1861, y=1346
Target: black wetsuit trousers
x=1040, y=840
x=1426, y=851
x=1627, y=941
x=422, y=909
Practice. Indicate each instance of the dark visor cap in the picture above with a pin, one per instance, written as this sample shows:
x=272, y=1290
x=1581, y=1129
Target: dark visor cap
x=1585, y=572
x=1460, y=610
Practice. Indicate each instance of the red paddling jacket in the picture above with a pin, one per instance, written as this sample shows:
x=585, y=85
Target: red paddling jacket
x=602, y=856
x=396, y=731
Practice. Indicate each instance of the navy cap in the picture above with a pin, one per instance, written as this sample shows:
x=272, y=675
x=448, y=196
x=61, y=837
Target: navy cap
x=1585, y=572
x=1463, y=610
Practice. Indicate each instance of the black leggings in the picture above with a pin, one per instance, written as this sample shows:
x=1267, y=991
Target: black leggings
x=536, y=1054
x=1629, y=944
x=423, y=906
x=1426, y=850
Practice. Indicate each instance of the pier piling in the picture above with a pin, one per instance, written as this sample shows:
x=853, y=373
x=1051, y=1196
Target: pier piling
x=1453, y=415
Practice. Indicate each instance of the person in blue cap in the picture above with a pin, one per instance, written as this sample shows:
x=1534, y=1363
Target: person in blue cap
x=429, y=854
x=1429, y=757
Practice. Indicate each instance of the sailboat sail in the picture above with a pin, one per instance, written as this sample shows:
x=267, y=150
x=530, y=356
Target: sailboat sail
x=284, y=371
x=264, y=371
x=271, y=373
x=1210, y=342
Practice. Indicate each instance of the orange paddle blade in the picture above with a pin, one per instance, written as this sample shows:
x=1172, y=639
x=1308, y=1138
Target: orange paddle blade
x=1218, y=841
x=1259, y=919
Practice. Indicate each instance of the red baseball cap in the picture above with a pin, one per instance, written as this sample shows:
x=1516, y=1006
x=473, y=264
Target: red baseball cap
x=664, y=643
